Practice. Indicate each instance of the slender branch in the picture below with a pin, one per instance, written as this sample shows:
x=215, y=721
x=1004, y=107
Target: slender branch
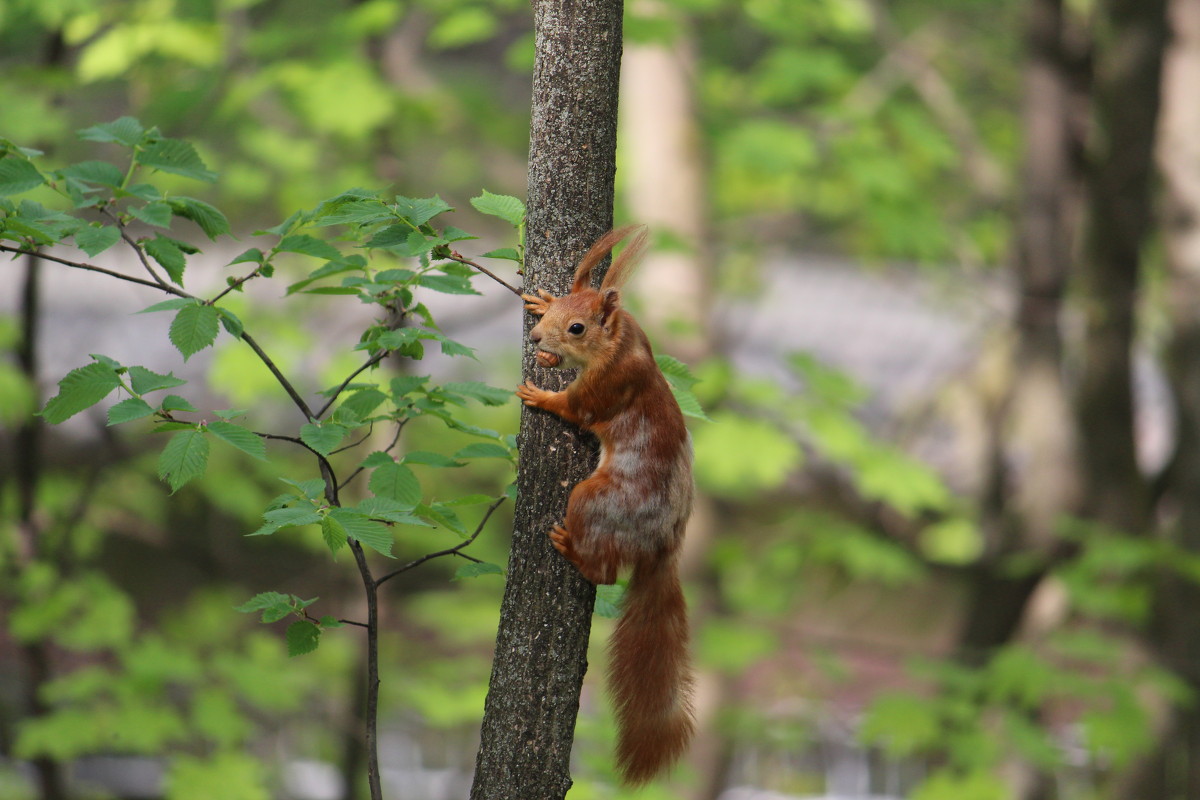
x=279, y=376
x=93, y=268
x=399, y=427
x=353, y=622
x=453, y=256
x=235, y=284
x=141, y=254
x=449, y=551
x=370, y=362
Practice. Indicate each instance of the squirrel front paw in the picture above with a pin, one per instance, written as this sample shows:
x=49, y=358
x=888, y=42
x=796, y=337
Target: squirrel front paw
x=538, y=304
x=531, y=395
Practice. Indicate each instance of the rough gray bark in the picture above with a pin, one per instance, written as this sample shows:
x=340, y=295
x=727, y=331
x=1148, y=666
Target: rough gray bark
x=541, y=648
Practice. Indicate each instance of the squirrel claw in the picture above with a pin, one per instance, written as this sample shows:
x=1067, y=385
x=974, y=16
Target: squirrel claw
x=539, y=303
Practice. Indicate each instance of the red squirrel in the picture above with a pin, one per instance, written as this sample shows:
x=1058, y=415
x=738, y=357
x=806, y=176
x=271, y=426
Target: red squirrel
x=632, y=510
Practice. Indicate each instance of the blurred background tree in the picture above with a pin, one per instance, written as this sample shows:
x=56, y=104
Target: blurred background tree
x=943, y=305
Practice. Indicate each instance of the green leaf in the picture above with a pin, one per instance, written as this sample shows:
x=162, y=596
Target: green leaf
x=79, y=389
x=210, y=220
x=676, y=372
x=174, y=402
x=126, y=130
x=429, y=459
x=169, y=305
x=689, y=404
x=289, y=517
x=507, y=253
x=242, y=438
x=230, y=322
x=274, y=605
x=447, y=284
x=313, y=489
x=419, y=211
x=144, y=380
x=177, y=157
x=483, y=450
x=397, y=482
x=323, y=437
x=473, y=570
x=96, y=238
x=184, y=458
x=388, y=510
x=193, y=329
x=98, y=172
x=166, y=252
x=362, y=529
x=310, y=246
x=488, y=395
x=507, y=208
x=608, y=600
x=157, y=214
x=302, y=637
x=128, y=410
x=334, y=534
x=364, y=401
x=18, y=175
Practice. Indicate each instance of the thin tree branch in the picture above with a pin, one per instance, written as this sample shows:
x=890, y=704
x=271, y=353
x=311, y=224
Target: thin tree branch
x=399, y=427
x=93, y=268
x=235, y=284
x=453, y=256
x=141, y=254
x=279, y=376
x=449, y=551
x=372, y=361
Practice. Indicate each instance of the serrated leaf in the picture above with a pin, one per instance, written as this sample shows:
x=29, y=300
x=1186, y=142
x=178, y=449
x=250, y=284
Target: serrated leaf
x=302, y=637
x=439, y=514
x=145, y=381
x=95, y=239
x=167, y=253
x=98, y=172
x=183, y=459
x=418, y=211
x=608, y=600
x=429, y=459
x=231, y=323
x=396, y=482
x=242, y=438
x=404, y=385
x=174, y=402
x=310, y=246
x=157, y=214
x=273, y=605
x=193, y=329
x=79, y=389
x=169, y=305
x=251, y=256
x=210, y=220
x=128, y=410
x=377, y=459
x=126, y=130
x=388, y=510
x=18, y=175
x=689, y=404
x=507, y=253
x=313, y=488
x=177, y=157
x=507, y=208
x=447, y=284
x=334, y=534
x=488, y=395
x=483, y=450
x=360, y=528
x=675, y=371
x=324, y=437
x=364, y=401
x=473, y=570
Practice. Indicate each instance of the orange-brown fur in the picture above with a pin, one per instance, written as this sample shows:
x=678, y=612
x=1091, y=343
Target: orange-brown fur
x=632, y=510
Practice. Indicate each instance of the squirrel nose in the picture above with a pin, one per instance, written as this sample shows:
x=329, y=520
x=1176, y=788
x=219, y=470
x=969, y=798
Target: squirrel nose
x=535, y=335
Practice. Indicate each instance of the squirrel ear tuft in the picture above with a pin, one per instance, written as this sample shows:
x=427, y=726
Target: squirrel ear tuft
x=610, y=302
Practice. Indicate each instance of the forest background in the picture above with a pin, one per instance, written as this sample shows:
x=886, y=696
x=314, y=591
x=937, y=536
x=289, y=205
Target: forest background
x=982, y=589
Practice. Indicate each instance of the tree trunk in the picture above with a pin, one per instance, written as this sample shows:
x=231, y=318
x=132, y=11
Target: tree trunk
x=541, y=647
x=1130, y=36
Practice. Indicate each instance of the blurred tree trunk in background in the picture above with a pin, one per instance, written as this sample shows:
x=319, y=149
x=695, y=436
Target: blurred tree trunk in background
x=664, y=183
x=545, y=619
x=1174, y=769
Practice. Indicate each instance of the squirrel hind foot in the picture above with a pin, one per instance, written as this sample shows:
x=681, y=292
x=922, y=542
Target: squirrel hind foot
x=604, y=572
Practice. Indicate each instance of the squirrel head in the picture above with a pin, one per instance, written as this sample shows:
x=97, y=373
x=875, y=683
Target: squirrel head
x=579, y=328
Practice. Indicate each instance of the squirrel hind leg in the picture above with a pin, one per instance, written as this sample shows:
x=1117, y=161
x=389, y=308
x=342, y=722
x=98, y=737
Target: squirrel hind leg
x=596, y=568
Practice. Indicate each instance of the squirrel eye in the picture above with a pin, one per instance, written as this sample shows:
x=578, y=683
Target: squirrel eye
x=576, y=328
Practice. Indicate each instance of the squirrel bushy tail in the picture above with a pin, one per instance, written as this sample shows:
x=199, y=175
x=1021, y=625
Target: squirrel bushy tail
x=650, y=678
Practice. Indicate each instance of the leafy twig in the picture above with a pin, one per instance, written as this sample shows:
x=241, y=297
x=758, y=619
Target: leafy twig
x=141, y=254
x=453, y=256
x=449, y=551
x=372, y=361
